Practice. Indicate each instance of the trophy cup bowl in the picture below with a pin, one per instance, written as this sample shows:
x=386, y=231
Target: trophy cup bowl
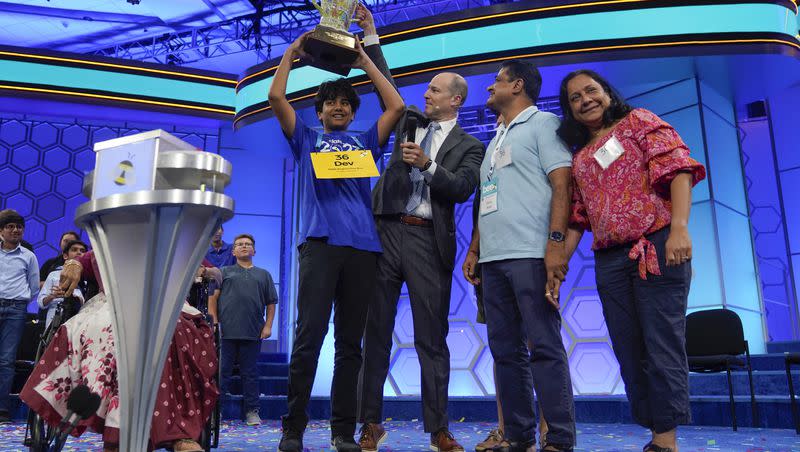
x=330, y=45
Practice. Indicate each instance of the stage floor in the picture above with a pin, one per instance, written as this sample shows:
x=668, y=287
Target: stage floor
x=408, y=436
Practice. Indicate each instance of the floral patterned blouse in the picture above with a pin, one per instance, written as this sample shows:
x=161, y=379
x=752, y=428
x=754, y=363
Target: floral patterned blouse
x=631, y=197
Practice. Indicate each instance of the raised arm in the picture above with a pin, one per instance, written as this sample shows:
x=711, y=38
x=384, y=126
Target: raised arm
x=372, y=45
x=387, y=92
x=277, y=91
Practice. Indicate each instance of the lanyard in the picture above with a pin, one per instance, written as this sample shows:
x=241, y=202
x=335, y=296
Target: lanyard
x=501, y=137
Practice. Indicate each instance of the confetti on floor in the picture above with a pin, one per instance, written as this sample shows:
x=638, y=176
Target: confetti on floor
x=409, y=436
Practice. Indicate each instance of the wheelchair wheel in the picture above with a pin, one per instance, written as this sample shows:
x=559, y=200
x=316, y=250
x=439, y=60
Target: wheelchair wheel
x=37, y=439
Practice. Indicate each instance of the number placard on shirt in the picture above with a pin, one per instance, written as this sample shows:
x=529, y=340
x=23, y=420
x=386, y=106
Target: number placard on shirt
x=342, y=165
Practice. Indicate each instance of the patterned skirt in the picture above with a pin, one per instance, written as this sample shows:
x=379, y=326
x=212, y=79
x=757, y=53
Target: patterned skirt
x=82, y=352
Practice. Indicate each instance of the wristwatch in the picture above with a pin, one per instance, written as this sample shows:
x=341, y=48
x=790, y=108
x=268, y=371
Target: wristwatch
x=427, y=165
x=557, y=236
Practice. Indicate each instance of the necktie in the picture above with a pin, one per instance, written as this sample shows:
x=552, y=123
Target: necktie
x=417, y=180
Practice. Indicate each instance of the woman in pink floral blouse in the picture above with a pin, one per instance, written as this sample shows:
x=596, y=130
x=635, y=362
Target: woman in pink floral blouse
x=633, y=178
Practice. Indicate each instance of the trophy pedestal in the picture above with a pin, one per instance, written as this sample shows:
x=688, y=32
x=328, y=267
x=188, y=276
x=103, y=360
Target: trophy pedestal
x=331, y=50
x=155, y=203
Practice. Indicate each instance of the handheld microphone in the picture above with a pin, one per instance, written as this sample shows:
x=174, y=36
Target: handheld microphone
x=81, y=403
x=411, y=132
x=411, y=128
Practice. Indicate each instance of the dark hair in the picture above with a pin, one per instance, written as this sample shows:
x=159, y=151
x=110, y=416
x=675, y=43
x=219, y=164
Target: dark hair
x=71, y=244
x=9, y=216
x=332, y=89
x=528, y=73
x=72, y=233
x=575, y=134
x=245, y=236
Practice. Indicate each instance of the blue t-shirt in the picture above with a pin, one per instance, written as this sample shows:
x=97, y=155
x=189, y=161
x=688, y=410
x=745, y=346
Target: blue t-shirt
x=339, y=210
x=222, y=257
x=243, y=301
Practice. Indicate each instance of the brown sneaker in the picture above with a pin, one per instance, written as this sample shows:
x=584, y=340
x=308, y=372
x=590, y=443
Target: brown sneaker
x=372, y=436
x=493, y=440
x=443, y=441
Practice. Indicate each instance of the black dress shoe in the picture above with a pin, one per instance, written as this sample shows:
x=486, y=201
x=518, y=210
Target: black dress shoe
x=650, y=447
x=291, y=441
x=345, y=444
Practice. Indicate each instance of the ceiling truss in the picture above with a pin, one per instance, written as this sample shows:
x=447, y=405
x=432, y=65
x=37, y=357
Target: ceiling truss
x=268, y=31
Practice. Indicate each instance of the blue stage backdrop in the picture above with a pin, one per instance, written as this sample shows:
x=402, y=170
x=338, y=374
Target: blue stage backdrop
x=42, y=160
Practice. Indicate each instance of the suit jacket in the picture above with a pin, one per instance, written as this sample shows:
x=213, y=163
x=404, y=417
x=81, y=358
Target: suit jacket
x=458, y=170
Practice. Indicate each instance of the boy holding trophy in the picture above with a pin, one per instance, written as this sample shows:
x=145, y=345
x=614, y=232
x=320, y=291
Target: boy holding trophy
x=339, y=244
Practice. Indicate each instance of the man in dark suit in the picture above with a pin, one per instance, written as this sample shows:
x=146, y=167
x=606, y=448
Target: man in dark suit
x=413, y=203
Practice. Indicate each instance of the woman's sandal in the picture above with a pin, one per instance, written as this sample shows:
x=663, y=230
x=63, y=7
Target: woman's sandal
x=186, y=445
x=650, y=447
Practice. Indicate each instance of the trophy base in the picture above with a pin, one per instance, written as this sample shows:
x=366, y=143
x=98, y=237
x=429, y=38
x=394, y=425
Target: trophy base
x=331, y=50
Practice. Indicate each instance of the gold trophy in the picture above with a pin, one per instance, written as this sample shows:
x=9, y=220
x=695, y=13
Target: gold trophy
x=330, y=45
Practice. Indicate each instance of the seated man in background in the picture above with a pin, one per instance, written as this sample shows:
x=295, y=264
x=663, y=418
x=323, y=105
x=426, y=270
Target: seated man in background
x=51, y=293
x=82, y=352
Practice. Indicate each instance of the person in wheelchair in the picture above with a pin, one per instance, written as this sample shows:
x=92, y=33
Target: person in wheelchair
x=51, y=294
x=82, y=352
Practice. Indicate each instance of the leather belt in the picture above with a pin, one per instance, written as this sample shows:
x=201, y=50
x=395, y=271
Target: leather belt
x=415, y=221
x=10, y=302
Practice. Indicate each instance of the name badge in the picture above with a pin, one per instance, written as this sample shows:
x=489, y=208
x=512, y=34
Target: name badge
x=609, y=152
x=488, y=197
x=502, y=157
x=342, y=165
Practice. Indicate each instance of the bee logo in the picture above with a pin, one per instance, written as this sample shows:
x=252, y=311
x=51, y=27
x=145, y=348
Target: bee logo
x=126, y=175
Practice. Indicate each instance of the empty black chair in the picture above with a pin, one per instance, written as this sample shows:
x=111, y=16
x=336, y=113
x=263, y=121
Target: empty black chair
x=715, y=343
x=792, y=358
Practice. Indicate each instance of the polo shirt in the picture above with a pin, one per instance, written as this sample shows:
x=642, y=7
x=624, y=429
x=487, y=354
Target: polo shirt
x=520, y=226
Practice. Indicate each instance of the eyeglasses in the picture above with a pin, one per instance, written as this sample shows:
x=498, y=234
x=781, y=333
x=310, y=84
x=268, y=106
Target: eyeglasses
x=12, y=226
x=243, y=245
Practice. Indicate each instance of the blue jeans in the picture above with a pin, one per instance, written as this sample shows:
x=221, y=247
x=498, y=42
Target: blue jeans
x=12, y=324
x=246, y=353
x=517, y=312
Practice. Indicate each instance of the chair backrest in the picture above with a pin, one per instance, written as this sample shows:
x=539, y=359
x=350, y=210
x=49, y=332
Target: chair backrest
x=714, y=332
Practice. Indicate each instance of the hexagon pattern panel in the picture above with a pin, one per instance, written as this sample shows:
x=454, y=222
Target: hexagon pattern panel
x=42, y=164
x=764, y=195
x=593, y=366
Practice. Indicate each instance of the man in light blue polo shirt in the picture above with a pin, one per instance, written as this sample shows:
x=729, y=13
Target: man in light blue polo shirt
x=519, y=242
x=19, y=283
